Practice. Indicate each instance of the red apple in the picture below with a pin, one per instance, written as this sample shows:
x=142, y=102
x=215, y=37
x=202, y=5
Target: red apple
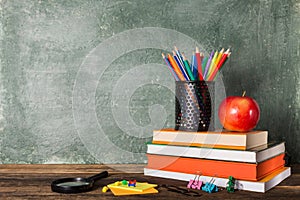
x=239, y=113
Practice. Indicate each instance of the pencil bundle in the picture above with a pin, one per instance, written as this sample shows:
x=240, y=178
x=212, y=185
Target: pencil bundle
x=201, y=68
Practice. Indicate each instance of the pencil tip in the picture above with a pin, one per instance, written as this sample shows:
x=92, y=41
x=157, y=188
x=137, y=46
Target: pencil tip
x=197, y=50
x=183, y=56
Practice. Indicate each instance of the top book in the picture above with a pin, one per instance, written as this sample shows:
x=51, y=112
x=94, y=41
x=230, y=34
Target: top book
x=211, y=139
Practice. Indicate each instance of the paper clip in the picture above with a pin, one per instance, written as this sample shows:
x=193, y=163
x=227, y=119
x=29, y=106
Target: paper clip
x=195, y=184
x=210, y=187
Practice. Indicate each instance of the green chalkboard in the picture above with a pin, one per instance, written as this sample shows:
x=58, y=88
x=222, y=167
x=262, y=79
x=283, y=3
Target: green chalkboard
x=84, y=81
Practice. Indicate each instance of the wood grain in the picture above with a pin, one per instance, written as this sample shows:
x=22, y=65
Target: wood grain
x=68, y=168
x=33, y=182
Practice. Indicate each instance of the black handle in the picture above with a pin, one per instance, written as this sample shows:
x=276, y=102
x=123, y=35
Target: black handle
x=98, y=176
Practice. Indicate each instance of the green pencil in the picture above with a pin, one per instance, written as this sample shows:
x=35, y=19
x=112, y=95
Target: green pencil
x=187, y=67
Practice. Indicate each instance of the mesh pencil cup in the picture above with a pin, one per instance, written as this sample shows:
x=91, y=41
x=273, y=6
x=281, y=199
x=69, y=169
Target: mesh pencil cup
x=194, y=106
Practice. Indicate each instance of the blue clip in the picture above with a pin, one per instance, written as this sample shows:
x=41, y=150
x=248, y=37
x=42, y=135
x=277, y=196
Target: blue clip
x=210, y=187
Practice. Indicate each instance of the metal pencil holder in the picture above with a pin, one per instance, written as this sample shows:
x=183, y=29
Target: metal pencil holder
x=194, y=109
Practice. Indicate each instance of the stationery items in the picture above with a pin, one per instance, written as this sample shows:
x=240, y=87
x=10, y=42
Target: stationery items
x=201, y=68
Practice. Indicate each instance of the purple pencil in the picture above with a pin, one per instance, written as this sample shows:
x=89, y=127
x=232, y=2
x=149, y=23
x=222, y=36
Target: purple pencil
x=208, y=64
x=170, y=67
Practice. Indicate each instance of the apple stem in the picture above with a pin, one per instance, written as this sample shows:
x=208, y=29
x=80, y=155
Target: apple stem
x=244, y=93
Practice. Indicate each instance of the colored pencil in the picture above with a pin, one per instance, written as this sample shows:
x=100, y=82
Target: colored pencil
x=192, y=63
x=218, y=58
x=202, y=58
x=204, y=61
x=178, y=54
x=170, y=67
x=181, y=66
x=194, y=66
x=220, y=64
x=208, y=64
x=212, y=63
x=199, y=67
x=176, y=68
x=187, y=67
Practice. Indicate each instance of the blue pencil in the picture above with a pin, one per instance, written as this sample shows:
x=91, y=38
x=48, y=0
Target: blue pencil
x=179, y=54
x=192, y=64
x=208, y=64
x=181, y=66
x=195, y=70
x=170, y=67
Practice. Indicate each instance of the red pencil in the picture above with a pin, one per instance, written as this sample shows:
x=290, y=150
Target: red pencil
x=199, y=64
x=220, y=64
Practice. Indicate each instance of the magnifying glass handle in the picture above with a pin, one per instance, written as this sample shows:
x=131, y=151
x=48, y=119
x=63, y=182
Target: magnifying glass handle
x=99, y=176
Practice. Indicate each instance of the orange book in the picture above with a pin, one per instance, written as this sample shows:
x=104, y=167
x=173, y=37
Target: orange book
x=218, y=168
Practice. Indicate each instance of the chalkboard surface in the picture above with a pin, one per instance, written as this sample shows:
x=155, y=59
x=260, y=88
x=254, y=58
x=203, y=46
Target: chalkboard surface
x=84, y=81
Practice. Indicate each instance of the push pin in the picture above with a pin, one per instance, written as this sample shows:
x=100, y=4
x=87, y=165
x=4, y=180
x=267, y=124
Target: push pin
x=117, y=183
x=124, y=182
x=105, y=189
x=132, y=183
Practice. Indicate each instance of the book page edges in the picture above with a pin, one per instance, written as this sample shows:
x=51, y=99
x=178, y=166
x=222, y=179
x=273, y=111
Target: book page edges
x=257, y=139
x=256, y=186
x=217, y=146
x=170, y=130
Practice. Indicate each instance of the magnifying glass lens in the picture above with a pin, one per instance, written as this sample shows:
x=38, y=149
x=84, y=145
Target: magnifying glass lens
x=72, y=183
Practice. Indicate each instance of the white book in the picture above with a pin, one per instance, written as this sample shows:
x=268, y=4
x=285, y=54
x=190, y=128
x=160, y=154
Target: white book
x=254, y=155
x=255, y=186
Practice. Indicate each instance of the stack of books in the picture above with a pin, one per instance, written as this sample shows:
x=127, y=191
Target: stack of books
x=247, y=156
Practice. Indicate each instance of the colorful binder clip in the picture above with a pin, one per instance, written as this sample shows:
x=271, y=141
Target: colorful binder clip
x=210, y=187
x=195, y=184
x=230, y=184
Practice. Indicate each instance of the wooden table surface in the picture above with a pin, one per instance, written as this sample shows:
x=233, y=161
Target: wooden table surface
x=33, y=182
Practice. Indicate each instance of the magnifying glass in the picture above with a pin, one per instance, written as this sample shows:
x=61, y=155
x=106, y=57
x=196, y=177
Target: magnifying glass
x=76, y=185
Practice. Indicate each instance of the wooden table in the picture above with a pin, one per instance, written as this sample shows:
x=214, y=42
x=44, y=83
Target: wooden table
x=33, y=182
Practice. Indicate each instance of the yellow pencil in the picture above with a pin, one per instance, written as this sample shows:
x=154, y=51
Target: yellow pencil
x=219, y=57
x=219, y=65
x=215, y=63
x=212, y=64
